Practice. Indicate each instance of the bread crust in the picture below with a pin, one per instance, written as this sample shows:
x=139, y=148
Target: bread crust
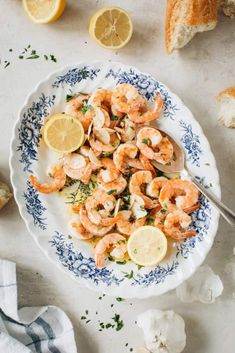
x=230, y=91
x=198, y=13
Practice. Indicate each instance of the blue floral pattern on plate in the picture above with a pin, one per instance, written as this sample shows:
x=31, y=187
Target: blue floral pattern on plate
x=143, y=282
x=34, y=206
x=29, y=130
x=80, y=265
x=76, y=75
x=191, y=143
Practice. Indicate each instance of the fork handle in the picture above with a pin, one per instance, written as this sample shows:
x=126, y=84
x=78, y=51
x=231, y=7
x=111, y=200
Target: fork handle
x=228, y=214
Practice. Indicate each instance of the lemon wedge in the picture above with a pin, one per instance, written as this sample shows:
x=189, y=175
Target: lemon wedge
x=63, y=133
x=147, y=246
x=44, y=11
x=111, y=27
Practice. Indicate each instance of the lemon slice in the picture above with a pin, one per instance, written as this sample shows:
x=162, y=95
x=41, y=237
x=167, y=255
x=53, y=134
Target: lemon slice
x=63, y=133
x=111, y=27
x=44, y=11
x=147, y=246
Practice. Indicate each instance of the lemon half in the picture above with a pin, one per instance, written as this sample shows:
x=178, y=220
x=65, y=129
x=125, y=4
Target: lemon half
x=147, y=246
x=63, y=133
x=111, y=27
x=44, y=11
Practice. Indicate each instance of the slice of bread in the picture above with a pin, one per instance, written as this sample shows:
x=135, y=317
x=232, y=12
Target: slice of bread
x=184, y=18
x=228, y=7
x=226, y=100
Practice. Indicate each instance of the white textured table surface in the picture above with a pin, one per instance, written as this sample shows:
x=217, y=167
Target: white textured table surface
x=196, y=74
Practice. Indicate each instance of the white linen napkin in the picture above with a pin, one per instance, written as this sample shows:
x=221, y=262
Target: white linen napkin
x=30, y=329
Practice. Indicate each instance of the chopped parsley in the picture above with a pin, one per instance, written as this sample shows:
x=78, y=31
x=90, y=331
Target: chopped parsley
x=121, y=262
x=119, y=299
x=146, y=141
x=163, y=211
x=113, y=117
x=150, y=220
x=69, y=97
x=129, y=275
x=119, y=323
x=112, y=191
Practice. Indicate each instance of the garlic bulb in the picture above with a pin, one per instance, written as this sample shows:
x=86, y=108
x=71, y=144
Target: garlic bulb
x=164, y=331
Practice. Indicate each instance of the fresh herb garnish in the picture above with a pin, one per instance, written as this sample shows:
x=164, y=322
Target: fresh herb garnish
x=113, y=117
x=53, y=58
x=163, y=211
x=150, y=220
x=112, y=191
x=119, y=323
x=129, y=275
x=139, y=267
x=146, y=141
x=119, y=299
x=121, y=262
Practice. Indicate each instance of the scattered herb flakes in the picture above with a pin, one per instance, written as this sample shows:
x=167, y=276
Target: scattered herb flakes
x=96, y=312
x=83, y=317
x=112, y=191
x=135, y=251
x=113, y=117
x=110, y=257
x=86, y=312
x=7, y=63
x=87, y=322
x=119, y=299
x=21, y=57
x=69, y=97
x=119, y=323
x=111, y=305
x=139, y=267
x=150, y=220
x=163, y=211
x=210, y=185
x=129, y=275
x=69, y=236
x=146, y=141
x=131, y=349
x=45, y=57
x=126, y=344
x=108, y=325
x=207, y=164
x=121, y=262
x=53, y=58
x=100, y=298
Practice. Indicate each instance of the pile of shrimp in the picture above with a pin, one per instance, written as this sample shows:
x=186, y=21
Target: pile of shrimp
x=118, y=152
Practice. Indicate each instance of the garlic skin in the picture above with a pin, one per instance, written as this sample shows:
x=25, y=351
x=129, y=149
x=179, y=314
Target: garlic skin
x=5, y=194
x=204, y=286
x=164, y=331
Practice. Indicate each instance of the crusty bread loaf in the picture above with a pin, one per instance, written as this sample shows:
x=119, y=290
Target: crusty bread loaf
x=226, y=100
x=184, y=18
x=228, y=6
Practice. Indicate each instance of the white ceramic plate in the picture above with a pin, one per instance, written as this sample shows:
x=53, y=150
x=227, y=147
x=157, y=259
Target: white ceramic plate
x=46, y=215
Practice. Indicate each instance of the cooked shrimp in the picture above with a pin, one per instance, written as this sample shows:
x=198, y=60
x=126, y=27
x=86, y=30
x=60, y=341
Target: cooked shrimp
x=74, y=108
x=99, y=146
x=80, y=231
x=158, y=216
x=116, y=186
x=77, y=167
x=142, y=163
x=97, y=201
x=154, y=187
x=110, y=171
x=176, y=225
x=113, y=243
x=126, y=98
x=153, y=145
x=177, y=193
x=127, y=129
x=95, y=229
x=102, y=97
x=136, y=185
x=123, y=154
x=126, y=223
x=140, y=117
x=59, y=179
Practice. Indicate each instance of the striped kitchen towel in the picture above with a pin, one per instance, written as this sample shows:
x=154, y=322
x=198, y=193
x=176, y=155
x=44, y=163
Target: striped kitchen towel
x=30, y=329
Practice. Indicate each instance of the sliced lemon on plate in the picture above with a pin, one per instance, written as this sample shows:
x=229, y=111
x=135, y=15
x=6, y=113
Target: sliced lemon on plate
x=44, y=11
x=147, y=246
x=63, y=133
x=111, y=27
